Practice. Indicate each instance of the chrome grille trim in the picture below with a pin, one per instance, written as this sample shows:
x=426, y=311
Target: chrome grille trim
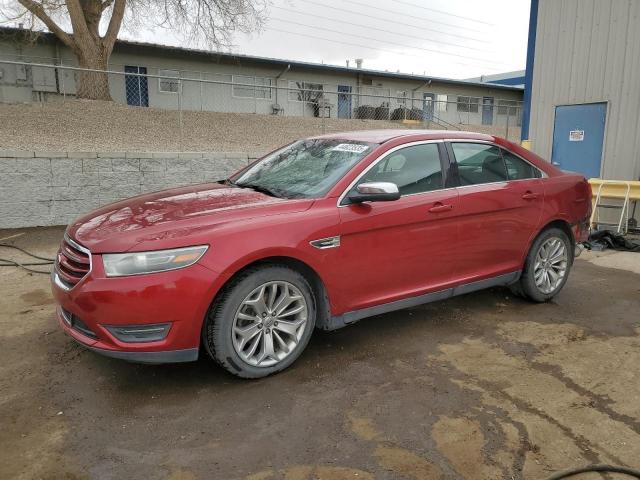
x=57, y=277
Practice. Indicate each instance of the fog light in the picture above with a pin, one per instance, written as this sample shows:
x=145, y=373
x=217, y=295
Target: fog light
x=140, y=333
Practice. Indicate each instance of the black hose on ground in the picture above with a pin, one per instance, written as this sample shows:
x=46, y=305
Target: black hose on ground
x=595, y=469
x=8, y=245
x=4, y=262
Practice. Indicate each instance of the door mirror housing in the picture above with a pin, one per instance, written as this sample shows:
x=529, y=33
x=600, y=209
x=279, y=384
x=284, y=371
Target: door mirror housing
x=375, y=192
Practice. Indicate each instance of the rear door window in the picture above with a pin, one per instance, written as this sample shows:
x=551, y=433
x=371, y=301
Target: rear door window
x=479, y=163
x=517, y=168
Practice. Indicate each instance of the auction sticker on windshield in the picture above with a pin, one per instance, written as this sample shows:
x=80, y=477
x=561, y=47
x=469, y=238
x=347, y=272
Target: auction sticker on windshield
x=350, y=147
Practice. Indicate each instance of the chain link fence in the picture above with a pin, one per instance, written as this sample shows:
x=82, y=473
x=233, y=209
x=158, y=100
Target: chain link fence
x=322, y=107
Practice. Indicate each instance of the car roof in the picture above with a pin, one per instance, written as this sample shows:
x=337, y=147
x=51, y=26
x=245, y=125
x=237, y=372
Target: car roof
x=382, y=136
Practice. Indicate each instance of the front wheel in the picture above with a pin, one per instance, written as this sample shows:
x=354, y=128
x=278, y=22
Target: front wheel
x=261, y=323
x=547, y=266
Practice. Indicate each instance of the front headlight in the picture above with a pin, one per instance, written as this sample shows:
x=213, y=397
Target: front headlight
x=136, y=263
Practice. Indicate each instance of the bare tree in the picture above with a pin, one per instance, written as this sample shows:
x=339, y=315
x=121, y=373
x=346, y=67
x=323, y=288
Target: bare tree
x=95, y=24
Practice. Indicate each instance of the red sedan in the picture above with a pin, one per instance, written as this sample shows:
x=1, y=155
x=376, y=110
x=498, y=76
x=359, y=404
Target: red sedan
x=319, y=234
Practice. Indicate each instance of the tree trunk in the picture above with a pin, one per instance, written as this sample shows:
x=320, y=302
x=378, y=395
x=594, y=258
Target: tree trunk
x=92, y=50
x=92, y=85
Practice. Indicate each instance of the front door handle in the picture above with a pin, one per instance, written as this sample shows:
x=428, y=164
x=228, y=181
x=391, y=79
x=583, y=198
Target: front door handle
x=440, y=208
x=530, y=196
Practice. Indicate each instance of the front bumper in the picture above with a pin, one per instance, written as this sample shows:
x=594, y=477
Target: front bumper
x=159, y=357
x=179, y=297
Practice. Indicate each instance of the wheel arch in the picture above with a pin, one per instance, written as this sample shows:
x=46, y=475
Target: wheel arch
x=320, y=293
x=560, y=223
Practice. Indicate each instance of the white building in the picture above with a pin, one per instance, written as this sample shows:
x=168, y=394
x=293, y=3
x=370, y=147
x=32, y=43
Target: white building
x=239, y=83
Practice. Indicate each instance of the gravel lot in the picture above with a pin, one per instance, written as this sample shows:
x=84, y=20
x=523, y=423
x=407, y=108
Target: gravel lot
x=484, y=386
x=89, y=126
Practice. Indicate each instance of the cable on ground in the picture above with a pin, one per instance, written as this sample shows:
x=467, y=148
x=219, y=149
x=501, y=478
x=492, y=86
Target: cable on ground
x=5, y=262
x=595, y=469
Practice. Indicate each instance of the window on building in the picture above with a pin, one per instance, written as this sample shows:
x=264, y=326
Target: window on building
x=305, y=91
x=252, y=87
x=508, y=107
x=440, y=103
x=170, y=84
x=468, y=104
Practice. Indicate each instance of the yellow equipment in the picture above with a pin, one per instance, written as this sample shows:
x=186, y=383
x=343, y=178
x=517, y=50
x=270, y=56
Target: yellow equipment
x=621, y=192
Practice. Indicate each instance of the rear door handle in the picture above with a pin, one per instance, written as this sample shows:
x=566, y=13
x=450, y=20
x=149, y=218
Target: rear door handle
x=440, y=208
x=530, y=196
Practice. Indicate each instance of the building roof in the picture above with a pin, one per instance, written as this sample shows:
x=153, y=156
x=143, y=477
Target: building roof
x=515, y=78
x=284, y=63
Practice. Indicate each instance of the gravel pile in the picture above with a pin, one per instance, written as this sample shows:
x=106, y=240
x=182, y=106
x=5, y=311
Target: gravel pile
x=85, y=126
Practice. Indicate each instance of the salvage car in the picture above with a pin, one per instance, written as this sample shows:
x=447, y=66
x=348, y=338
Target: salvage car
x=318, y=234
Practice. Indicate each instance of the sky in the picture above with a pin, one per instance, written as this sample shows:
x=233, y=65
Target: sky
x=443, y=38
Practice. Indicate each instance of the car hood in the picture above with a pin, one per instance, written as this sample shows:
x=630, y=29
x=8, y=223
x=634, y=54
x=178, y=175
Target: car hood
x=174, y=218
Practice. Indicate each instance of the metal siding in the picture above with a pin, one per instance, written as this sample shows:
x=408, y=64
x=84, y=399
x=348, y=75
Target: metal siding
x=589, y=51
x=545, y=66
x=600, y=28
x=581, y=43
x=634, y=100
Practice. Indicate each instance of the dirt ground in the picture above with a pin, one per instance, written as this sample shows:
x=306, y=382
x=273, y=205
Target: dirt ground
x=90, y=126
x=484, y=386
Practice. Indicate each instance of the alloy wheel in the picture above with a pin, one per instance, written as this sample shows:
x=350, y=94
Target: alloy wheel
x=269, y=323
x=550, y=265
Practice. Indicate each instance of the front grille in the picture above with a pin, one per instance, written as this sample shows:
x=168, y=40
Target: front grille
x=72, y=263
x=76, y=324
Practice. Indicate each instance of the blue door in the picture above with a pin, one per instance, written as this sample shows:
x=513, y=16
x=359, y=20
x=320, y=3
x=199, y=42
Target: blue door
x=344, y=101
x=427, y=106
x=137, y=87
x=487, y=110
x=578, y=136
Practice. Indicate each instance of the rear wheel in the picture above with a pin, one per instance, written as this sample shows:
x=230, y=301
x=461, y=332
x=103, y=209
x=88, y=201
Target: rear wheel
x=547, y=266
x=261, y=323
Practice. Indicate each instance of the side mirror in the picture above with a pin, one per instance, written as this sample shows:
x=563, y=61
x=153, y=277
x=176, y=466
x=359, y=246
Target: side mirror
x=375, y=192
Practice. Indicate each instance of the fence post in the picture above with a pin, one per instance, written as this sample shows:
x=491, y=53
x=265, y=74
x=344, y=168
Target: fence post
x=180, y=114
x=64, y=90
x=201, y=99
x=507, y=127
x=404, y=105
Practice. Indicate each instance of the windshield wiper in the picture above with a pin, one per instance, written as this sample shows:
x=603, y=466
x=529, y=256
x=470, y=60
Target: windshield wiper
x=261, y=189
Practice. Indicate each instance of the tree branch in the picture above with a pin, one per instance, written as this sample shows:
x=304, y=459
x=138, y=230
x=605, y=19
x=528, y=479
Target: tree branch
x=114, y=26
x=78, y=22
x=106, y=4
x=37, y=10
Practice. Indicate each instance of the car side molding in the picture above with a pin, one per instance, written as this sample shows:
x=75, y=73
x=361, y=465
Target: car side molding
x=340, y=321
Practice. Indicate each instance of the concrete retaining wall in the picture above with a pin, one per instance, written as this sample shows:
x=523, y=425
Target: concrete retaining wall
x=54, y=188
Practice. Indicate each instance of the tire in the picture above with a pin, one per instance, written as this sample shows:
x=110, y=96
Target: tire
x=541, y=258
x=244, y=317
